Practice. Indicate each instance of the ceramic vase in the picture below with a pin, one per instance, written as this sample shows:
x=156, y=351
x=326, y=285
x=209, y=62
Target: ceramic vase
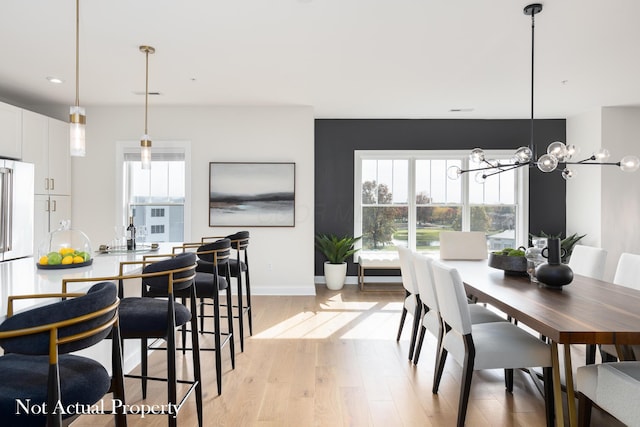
x=553, y=273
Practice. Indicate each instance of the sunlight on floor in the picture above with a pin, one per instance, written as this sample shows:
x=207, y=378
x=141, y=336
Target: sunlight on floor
x=338, y=316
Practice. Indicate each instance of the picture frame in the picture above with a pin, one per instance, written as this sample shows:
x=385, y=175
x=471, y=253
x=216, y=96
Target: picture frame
x=252, y=194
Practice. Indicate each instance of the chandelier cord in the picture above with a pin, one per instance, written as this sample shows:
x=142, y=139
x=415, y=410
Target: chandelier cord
x=77, y=53
x=533, y=26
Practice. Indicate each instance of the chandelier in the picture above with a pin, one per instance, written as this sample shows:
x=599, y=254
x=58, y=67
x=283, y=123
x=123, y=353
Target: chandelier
x=559, y=156
x=145, y=140
x=77, y=117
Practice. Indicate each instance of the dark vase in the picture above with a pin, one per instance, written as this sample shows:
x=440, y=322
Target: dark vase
x=554, y=274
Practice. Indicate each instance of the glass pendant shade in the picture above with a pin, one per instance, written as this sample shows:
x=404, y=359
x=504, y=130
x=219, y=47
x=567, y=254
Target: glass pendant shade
x=558, y=150
x=77, y=120
x=568, y=174
x=523, y=155
x=145, y=152
x=477, y=155
x=454, y=172
x=547, y=163
x=601, y=154
x=629, y=163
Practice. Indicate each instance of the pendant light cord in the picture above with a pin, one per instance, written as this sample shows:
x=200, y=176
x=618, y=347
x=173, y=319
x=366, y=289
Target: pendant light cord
x=146, y=92
x=77, y=53
x=533, y=26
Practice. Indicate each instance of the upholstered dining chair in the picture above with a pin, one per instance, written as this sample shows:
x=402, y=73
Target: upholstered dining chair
x=627, y=274
x=411, y=303
x=37, y=368
x=147, y=318
x=238, y=267
x=496, y=345
x=212, y=277
x=614, y=387
x=430, y=318
x=463, y=245
x=588, y=261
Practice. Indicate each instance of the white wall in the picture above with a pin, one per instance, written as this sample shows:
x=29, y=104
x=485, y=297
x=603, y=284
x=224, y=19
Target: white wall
x=604, y=202
x=584, y=191
x=281, y=258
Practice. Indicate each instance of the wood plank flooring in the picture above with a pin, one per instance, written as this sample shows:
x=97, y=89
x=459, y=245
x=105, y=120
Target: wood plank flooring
x=332, y=360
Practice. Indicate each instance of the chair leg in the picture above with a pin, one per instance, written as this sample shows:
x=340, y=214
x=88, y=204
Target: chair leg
x=171, y=363
x=416, y=326
x=232, y=346
x=183, y=330
x=402, y=318
x=54, y=418
x=216, y=338
x=416, y=354
x=467, y=376
x=440, y=362
x=248, y=294
x=547, y=377
x=508, y=380
x=197, y=373
x=240, y=308
x=117, y=375
x=143, y=366
x=584, y=410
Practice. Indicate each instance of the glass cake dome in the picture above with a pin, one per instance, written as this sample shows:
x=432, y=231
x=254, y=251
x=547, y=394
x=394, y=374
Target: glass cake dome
x=64, y=248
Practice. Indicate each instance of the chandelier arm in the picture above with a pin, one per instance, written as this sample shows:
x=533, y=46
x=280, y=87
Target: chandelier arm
x=499, y=171
x=498, y=168
x=584, y=162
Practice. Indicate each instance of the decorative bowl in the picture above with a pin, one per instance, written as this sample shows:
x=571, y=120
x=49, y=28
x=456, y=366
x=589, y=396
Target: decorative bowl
x=512, y=265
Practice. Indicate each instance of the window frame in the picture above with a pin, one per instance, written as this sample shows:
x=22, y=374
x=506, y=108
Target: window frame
x=521, y=196
x=123, y=147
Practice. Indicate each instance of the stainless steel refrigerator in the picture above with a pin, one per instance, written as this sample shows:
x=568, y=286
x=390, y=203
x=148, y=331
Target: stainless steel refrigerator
x=16, y=209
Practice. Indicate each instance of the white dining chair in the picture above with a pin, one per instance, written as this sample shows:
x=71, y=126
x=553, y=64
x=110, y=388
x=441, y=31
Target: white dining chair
x=496, y=345
x=614, y=387
x=588, y=261
x=411, y=302
x=463, y=245
x=430, y=317
x=627, y=274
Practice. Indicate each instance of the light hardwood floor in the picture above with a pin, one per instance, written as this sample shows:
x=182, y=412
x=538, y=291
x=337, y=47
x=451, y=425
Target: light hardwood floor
x=332, y=360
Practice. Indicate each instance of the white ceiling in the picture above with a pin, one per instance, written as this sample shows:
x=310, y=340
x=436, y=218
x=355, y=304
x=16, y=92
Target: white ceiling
x=346, y=58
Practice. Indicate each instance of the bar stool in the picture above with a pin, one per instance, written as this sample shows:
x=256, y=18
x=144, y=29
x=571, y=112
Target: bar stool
x=145, y=318
x=212, y=258
x=238, y=265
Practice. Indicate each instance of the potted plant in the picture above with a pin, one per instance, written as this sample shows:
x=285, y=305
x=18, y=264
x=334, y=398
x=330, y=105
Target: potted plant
x=336, y=249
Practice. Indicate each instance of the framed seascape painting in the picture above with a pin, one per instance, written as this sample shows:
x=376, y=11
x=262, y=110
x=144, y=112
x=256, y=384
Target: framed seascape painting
x=252, y=194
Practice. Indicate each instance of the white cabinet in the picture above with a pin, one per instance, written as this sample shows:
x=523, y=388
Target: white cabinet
x=49, y=212
x=45, y=143
x=10, y=131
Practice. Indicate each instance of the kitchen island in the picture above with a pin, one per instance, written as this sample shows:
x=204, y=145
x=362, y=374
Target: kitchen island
x=22, y=277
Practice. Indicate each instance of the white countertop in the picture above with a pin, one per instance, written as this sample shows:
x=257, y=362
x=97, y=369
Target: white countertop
x=22, y=276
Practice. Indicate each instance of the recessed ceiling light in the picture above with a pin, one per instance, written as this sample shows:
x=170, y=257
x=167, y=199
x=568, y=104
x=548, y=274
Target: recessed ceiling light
x=460, y=110
x=55, y=80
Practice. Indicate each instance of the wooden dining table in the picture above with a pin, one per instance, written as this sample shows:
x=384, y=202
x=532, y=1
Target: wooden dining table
x=587, y=311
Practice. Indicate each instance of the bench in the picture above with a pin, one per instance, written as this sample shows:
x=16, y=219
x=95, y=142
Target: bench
x=388, y=261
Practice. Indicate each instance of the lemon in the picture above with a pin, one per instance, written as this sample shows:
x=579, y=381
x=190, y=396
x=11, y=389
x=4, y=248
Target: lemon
x=44, y=260
x=67, y=260
x=65, y=251
x=78, y=259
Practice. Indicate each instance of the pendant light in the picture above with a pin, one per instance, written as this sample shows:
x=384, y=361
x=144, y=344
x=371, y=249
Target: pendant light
x=77, y=118
x=145, y=141
x=559, y=157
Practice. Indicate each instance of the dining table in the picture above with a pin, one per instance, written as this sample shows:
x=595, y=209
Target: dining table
x=586, y=311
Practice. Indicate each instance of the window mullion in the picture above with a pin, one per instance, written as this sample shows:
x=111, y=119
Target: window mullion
x=412, y=214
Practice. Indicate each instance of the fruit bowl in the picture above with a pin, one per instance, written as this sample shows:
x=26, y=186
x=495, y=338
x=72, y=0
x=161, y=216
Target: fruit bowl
x=64, y=248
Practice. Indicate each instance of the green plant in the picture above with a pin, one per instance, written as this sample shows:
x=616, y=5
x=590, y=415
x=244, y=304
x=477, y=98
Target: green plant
x=336, y=249
x=567, y=243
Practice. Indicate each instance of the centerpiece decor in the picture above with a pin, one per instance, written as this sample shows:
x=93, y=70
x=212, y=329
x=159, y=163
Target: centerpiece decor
x=512, y=261
x=554, y=273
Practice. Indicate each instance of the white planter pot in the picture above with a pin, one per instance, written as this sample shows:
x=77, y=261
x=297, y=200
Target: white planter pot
x=335, y=275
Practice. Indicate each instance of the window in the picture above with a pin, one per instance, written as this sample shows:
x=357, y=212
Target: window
x=157, y=229
x=157, y=198
x=405, y=199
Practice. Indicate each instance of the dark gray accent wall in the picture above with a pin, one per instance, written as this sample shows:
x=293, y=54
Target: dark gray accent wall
x=336, y=140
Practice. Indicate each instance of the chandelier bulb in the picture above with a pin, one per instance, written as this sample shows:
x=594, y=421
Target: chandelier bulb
x=477, y=155
x=568, y=174
x=547, y=163
x=629, y=163
x=454, y=172
x=601, y=154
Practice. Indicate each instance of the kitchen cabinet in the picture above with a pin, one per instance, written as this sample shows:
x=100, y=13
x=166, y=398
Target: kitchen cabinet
x=45, y=143
x=49, y=212
x=10, y=131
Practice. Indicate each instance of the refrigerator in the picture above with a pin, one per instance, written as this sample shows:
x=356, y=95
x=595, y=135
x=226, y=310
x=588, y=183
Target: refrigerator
x=16, y=209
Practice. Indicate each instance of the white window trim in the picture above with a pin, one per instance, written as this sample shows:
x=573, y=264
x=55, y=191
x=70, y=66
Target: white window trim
x=122, y=147
x=521, y=176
